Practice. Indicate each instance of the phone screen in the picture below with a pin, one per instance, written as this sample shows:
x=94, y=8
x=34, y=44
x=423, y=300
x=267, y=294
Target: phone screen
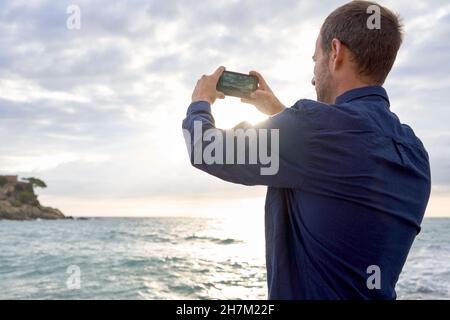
x=237, y=84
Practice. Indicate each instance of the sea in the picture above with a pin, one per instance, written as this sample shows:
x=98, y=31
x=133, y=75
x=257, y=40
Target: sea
x=173, y=258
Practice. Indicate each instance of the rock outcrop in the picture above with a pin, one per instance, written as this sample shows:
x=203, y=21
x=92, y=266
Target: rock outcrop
x=27, y=212
x=19, y=202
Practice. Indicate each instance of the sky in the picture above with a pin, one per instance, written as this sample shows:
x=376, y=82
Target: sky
x=96, y=111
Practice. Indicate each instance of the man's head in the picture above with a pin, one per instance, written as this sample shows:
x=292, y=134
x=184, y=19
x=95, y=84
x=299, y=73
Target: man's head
x=350, y=53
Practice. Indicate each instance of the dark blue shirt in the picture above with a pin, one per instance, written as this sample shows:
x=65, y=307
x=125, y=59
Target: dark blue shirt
x=350, y=194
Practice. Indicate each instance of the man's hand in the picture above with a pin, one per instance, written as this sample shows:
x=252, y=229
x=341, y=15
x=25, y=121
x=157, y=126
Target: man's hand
x=205, y=90
x=263, y=98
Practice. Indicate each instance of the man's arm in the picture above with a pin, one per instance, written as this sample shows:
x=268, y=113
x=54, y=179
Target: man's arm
x=276, y=140
x=269, y=153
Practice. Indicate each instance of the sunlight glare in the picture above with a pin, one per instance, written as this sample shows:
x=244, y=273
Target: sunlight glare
x=232, y=111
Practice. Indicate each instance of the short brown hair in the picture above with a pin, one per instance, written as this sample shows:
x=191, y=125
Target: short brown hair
x=374, y=50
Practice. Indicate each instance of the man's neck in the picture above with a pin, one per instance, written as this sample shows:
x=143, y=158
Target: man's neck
x=350, y=85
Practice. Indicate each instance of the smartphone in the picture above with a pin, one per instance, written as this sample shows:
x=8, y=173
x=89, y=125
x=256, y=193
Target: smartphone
x=237, y=84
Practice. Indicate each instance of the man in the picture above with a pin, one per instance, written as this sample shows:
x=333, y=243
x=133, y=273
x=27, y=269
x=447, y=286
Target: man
x=353, y=182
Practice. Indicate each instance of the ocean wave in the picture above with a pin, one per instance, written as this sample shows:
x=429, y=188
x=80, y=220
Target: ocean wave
x=158, y=238
x=212, y=239
x=151, y=237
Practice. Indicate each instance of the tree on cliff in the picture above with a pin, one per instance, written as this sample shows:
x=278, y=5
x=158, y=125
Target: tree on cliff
x=35, y=182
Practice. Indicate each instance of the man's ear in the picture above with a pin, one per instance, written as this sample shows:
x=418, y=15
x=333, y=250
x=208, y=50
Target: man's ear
x=336, y=54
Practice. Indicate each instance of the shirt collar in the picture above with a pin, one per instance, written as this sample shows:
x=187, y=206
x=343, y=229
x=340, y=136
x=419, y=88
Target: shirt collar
x=362, y=92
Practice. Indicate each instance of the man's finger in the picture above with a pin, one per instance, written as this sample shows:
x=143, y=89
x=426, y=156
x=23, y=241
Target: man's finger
x=220, y=95
x=261, y=80
x=218, y=72
x=245, y=100
x=257, y=93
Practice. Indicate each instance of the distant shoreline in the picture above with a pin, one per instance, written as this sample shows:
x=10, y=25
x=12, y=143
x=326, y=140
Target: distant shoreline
x=85, y=218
